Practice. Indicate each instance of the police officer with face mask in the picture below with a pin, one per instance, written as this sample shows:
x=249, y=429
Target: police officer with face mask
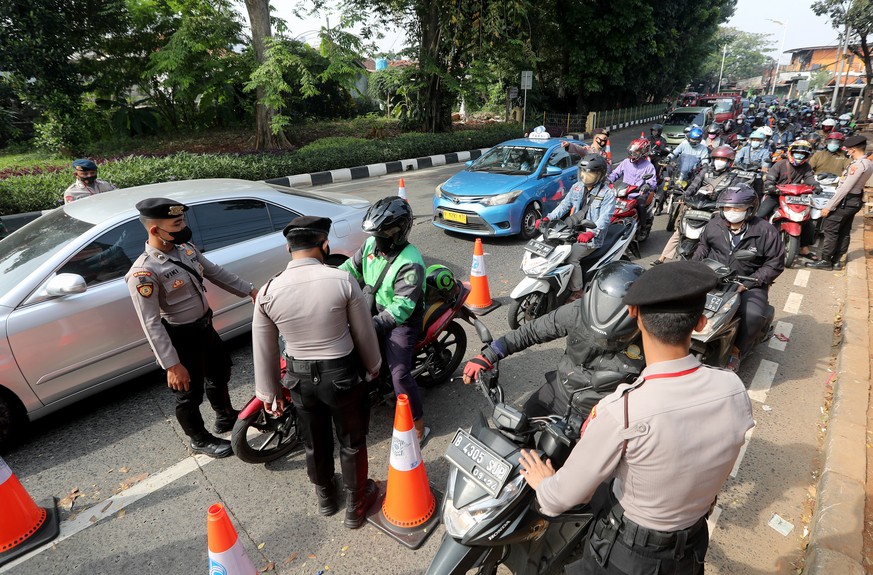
x=169, y=296
x=86, y=183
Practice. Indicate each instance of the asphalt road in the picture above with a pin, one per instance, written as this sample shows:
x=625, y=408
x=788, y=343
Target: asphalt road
x=127, y=440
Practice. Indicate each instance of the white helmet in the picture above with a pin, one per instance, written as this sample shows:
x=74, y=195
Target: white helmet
x=829, y=122
x=845, y=119
x=768, y=131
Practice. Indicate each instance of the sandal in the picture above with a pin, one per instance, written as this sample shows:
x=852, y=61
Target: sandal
x=809, y=256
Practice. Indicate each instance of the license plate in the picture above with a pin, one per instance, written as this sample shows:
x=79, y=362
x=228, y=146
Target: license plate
x=799, y=200
x=713, y=302
x=745, y=174
x=455, y=217
x=487, y=469
x=539, y=248
x=699, y=215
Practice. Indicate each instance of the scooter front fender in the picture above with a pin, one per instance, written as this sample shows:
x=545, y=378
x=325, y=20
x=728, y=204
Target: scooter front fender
x=453, y=558
x=529, y=285
x=791, y=228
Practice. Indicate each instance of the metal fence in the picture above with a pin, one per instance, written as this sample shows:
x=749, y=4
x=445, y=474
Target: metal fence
x=561, y=124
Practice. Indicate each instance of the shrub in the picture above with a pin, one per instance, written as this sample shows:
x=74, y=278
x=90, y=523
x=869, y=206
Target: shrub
x=38, y=191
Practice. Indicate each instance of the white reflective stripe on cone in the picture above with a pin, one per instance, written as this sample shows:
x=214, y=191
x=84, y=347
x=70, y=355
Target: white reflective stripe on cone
x=405, y=452
x=478, y=267
x=5, y=472
x=234, y=561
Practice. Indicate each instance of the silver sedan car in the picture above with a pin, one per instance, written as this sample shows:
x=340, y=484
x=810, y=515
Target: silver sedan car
x=67, y=326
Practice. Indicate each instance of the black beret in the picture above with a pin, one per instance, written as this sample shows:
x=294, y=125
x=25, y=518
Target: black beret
x=161, y=208
x=674, y=287
x=308, y=224
x=857, y=140
x=84, y=164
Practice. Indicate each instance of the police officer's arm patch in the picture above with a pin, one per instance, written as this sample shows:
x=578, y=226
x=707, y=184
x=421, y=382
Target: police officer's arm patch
x=145, y=289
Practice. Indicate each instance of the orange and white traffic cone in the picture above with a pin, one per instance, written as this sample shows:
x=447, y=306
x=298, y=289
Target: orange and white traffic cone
x=226, y=553
x=24, y=526
x=480, y=301
x=401, y=191
x=408, y=510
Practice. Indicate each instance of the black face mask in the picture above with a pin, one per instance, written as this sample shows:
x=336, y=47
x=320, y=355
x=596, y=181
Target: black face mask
x=384, y=244
x=181, y=237
x=89, y=181
x=325, y=253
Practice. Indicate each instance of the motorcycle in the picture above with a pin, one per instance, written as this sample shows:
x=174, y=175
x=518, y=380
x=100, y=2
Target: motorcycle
x=795, y=205
x=489, y=511
x=547, y=273
x=259, y=437
x=699, y=209
x=626, y=207
x=669, y=194
x=714, y=343
x=828, y=183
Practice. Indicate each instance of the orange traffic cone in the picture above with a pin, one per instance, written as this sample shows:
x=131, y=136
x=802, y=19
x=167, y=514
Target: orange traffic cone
x=480, y=301
x=401, y=191
x=24, y=526
x=407, y=513
x=226, y=553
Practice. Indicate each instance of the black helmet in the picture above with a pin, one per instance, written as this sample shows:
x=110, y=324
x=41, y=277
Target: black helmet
x=713, y=129
x=389, y=219
x=656, y=130
x=603, y=311
x=741, y=196
x=592, y=162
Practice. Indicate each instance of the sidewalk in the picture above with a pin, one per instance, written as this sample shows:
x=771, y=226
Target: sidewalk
x=836, y=541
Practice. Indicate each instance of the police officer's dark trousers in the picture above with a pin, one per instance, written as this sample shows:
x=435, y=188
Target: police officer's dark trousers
x=837, y=229
x=205, y=356
x=753, y=314
x=331, y=392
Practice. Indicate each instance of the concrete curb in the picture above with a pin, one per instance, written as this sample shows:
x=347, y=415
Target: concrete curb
x=836, y=537
x=633, y=123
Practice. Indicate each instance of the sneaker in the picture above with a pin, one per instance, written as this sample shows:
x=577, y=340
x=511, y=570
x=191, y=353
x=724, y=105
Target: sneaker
x=212, y=446
x=224, y=422
x=656, y=263
x=820, y=265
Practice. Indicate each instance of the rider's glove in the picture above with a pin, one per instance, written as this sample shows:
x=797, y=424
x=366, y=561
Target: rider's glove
x=540, y=221
x=483, y=362
x=585, y=237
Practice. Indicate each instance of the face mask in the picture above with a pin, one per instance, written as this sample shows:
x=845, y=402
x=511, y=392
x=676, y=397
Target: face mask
x=740, y=122
x=833, y=147
x=590, y=178
x=180, y=237
x=384, y=244
x=325, y=253
x=711, y=136
x=756, y=144
x=734, y=217
x=89, y=181
x=719, y=165
x=799, y=157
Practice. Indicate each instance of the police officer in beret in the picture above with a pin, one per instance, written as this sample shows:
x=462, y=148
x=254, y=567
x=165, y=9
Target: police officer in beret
x=324, y=359
x=166, y=284
x=654, y=455
x=86, y=183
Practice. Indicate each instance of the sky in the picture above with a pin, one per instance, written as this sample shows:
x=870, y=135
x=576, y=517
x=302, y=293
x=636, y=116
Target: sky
x=803, y=27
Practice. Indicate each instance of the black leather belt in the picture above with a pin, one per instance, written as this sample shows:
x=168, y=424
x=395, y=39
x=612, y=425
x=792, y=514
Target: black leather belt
x=201, y=323
x=304, y=366
x=633, y=534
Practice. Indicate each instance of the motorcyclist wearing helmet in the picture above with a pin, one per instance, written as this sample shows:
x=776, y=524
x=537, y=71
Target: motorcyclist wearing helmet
x=831, y=160
x=690, y=152
x=658, y=148
x=737, y=228
x=827, y=126
x=633, y=171
x=846, y=124
x=714, y=136
x=744, y=127
x=710, y=180
x=756, y=154
x=590, y=198
x=398, y=306
x=600, y=336
x=783, y=135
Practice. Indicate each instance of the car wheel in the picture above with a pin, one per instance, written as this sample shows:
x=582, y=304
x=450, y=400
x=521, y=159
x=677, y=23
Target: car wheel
x=528, y=221
x=12, y=419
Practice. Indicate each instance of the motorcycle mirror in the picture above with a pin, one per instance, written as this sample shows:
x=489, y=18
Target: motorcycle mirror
x=744, y=255
x=647, y=177
x=482, y=331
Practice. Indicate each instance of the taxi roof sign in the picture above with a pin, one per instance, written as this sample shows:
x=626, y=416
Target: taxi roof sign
x=539, y=133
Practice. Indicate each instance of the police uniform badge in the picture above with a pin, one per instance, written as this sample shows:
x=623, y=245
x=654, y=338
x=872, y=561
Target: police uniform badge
x=145, y=289
x=189, y=252
x=178, y=283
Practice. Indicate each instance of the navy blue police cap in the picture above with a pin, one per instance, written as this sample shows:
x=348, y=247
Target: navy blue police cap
x=84, y=164
x=307, y=224
x=854, y=141
x=674, y=287
x=161, y=208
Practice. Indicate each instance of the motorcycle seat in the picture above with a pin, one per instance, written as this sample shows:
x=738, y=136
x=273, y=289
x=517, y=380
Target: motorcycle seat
x=613, y=232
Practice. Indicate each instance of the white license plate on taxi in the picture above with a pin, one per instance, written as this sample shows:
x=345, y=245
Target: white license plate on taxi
x=455, y=217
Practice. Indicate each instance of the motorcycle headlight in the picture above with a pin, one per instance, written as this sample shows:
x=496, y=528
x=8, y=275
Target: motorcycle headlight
x=501, y=199
x=459, y=521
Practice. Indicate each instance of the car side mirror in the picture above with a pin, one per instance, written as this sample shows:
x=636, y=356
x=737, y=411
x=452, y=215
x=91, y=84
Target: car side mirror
x=65, y=284
x=553, y=171
x=468, y=163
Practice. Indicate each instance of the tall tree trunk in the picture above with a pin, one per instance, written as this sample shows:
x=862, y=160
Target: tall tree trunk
x=259, y=17
x=434, y=118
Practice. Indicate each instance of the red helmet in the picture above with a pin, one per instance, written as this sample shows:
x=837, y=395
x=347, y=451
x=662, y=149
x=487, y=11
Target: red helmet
x=724, y=153
x=638, y=149
x=836, y=136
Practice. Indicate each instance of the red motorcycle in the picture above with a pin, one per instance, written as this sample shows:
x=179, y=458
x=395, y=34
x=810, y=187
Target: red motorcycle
x=258, y=437
x=626, y=207
x=795, y=206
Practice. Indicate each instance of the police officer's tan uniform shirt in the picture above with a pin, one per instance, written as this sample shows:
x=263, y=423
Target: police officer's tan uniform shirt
x=159, y=288
x=78, y=190
x=321, y=314
x=854, y=179
x=684, y=435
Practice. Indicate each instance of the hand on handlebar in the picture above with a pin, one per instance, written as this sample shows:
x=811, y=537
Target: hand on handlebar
x=585, y=237
x=541, y=221
x=474, y=367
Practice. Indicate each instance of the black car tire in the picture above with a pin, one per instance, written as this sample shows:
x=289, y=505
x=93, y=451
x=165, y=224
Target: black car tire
x=12, y=419
x=528, y=221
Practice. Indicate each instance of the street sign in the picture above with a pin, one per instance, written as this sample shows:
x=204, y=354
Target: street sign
x=526, y=80
x=513, y=93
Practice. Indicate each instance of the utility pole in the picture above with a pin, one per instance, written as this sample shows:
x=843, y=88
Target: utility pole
x=841, y=54
x=779, y=55
x=721, y=72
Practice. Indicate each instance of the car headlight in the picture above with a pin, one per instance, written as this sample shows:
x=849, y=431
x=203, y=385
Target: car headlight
x=439, y=191
x=459, y=521
x=501, y=199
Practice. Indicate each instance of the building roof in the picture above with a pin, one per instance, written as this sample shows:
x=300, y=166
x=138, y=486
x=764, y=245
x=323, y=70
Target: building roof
x=809, y=48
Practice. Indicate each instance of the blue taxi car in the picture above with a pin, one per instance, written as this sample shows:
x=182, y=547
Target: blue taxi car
x=507, y=189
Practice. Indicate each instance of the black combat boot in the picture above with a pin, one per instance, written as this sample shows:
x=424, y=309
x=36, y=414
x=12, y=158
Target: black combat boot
x=358, y=502
x=211, y=446
x=326, y=499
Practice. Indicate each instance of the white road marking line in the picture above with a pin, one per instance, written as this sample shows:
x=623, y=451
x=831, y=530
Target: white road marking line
x=802, y=278
x=792, y=303
x=713, y=519
x=742, y=453
x=782, y=328
x=763, y=380
x=117, y=502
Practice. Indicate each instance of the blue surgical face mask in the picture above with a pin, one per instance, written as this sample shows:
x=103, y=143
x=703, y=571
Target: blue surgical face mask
x=833, y=147
x=756, y=144
x=799, y=157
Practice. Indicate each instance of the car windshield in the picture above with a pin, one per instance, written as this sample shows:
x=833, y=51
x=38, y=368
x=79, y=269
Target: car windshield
x=25, y=250
x=681, y=119
x=512, y=160
x=723, y=106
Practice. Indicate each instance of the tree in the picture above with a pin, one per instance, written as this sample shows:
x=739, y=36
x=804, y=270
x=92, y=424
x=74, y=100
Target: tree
x=857, y=16
x=259, y=20
x=746, y=55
